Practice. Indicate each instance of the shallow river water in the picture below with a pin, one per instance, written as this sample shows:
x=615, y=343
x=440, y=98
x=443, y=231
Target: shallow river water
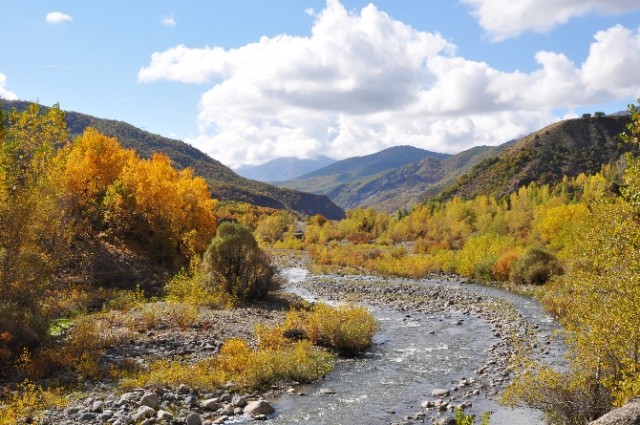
x=412, y=354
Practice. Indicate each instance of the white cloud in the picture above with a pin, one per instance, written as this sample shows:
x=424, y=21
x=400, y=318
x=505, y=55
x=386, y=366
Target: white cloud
x=310, y=11
x=363, y=82
x=168, y=21
x=4, y=93
x=504, y=19
x=57, y=18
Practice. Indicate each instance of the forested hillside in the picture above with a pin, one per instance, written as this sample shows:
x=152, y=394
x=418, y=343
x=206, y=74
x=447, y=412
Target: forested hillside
x=223, y=182
x=565, y=148
x=327, y=179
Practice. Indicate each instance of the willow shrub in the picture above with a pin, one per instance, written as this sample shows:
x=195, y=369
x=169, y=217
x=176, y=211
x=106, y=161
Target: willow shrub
x=237, y=363
x=347, y=329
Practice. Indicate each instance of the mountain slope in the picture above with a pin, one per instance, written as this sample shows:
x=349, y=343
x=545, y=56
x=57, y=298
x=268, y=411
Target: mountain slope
x=566, y=148
x=326, y=179
x=223, y=182
x=283, y=169
x=406, y=185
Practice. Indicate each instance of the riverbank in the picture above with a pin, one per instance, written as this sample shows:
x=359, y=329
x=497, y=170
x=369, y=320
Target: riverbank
x=444, y=301
x=510, y=337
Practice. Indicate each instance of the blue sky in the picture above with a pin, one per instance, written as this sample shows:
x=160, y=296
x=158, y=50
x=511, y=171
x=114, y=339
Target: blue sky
x=248, y=81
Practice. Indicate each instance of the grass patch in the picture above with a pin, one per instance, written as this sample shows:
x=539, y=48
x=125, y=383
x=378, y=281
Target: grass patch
x=237, y=363
x=347, y=329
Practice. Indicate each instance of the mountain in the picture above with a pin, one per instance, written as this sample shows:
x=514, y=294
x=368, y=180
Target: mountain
x=223, y=182
x=283, y=169
x=569, y=147
x=402, y=187
x=565, y=148
x=327, y=179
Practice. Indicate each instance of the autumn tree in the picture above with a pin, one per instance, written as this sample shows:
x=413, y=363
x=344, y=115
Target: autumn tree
x=33, y=232
x=597, y=304
x=170, y=210
x=90, y=165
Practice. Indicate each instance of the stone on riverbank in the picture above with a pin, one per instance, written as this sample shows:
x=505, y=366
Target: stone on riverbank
x=440, y=392
x=258, y=407
x=629, y=414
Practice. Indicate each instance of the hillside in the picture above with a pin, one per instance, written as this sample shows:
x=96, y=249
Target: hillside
x=283, y=169
x=565, y=148
x=406, y=185
x=223, y=182
x=327, y=179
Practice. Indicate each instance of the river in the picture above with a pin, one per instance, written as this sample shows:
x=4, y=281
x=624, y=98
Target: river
x=412, y=354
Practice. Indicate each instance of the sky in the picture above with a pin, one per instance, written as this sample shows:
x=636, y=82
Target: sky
x=247, y=81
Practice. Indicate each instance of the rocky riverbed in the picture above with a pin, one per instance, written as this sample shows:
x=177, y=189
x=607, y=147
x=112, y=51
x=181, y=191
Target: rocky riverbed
x=511, y=334
x=445, y=299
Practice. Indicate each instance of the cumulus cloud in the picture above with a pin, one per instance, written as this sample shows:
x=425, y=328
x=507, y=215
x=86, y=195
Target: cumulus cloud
x=55, y=18
x=362, y=82
x=4, y=93
x=504, y=19
x=168, y=21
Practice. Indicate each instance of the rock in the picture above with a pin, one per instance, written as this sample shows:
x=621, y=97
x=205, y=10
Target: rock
x=259, y=407
x=239, y=401
x=143, y=413
x=163, y=415
x=428, y=404
x=629, y=414
x=440, y=392
x=86, y=416
x=210, y=404
x=97, y=406
x=326, y=391
x=193, y=419
x=151, y=400
x=228, y=410
x=184, y=389
x=191, y=401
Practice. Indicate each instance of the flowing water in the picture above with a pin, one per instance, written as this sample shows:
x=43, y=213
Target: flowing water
x=411, y=355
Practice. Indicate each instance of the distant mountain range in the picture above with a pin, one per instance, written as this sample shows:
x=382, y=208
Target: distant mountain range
x=397, y=177
x=328, y=179
x=390, y=180
x=223, y=182
x=283, y=169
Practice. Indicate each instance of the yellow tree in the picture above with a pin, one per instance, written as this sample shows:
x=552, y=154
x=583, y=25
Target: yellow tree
x=89, y=166
x=169, y=209
x=33, y=232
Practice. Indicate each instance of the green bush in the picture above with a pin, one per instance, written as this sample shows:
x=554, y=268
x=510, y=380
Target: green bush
x=235, y=264
x=535, y=267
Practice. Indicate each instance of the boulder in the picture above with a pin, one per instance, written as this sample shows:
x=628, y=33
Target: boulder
x=194, y=419
x=440, y=392
x=150, y=400
x=629, y=414
x=258, y=407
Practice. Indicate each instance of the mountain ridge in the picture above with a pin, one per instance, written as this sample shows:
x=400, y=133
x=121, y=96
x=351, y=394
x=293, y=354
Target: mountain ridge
x=223, y=182
x=326, y=179
x=283, y=169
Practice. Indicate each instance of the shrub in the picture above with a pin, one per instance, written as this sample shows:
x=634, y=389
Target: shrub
x=501, y=269
x=347, y=329
x=566, y=398
x=192, y=289
x=235, y=264
x=536, y=266
x=239, y=364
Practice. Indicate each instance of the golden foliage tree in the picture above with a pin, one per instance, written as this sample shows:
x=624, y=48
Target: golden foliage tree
x=33, y=232
x=169, y=209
